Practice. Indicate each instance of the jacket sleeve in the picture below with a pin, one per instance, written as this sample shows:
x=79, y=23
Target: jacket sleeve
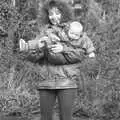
x=37, y=54
x=72, y=54
x=34, y=55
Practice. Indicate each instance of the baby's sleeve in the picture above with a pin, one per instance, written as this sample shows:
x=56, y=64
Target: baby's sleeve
x=87, y=44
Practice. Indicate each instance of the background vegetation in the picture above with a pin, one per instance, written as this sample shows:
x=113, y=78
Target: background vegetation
x=99, y=85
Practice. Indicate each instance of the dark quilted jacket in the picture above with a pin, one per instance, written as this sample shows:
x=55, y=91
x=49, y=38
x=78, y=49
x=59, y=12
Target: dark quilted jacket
x=60, y=70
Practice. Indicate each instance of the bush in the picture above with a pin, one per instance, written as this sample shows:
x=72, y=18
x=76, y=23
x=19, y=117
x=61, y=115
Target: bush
x=98, y=93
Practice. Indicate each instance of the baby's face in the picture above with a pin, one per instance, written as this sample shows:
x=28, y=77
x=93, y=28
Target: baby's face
x=74, y=34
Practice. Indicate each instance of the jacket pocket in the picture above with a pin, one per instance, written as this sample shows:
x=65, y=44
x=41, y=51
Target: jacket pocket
x=71, y=70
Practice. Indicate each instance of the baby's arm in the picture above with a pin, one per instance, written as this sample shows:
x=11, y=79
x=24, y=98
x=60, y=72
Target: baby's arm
x=88, y=46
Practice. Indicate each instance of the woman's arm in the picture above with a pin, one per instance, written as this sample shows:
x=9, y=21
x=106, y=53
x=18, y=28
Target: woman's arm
x=32, y=44
x=32, y=50
x=70, y=54
x=73, y=54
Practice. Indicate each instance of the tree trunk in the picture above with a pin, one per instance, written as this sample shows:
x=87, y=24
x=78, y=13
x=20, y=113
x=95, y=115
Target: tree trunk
x=13, y=2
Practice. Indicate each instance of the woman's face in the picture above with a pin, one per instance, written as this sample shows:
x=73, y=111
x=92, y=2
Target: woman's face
x=55, y=15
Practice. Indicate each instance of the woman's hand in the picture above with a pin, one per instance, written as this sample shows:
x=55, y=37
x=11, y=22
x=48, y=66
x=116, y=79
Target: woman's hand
x=56, y=48
x=41, y=42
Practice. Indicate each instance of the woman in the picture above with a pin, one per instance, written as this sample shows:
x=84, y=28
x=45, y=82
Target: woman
x=59, y=78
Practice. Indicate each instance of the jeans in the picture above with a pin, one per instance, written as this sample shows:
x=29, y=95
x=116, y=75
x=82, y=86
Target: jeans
x=65, y=100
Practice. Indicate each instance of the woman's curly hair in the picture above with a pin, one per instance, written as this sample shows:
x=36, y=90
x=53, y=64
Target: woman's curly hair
x=65, y=8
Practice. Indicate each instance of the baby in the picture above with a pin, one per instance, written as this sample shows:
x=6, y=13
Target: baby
x=76, y=34
x=73, y=35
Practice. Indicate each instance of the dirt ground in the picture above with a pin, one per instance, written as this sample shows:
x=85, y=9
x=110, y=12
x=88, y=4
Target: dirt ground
x=35, y=117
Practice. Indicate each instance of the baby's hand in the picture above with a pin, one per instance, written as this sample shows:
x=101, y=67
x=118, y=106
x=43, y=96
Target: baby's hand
x=92, y=55
x=42, y=41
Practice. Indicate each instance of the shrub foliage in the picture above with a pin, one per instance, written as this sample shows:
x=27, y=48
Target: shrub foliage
x=99, y=87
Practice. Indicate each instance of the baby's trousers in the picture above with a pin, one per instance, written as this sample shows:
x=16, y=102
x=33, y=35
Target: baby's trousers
x=65, y=100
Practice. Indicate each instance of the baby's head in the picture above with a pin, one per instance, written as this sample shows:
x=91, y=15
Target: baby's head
x=75, y=30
